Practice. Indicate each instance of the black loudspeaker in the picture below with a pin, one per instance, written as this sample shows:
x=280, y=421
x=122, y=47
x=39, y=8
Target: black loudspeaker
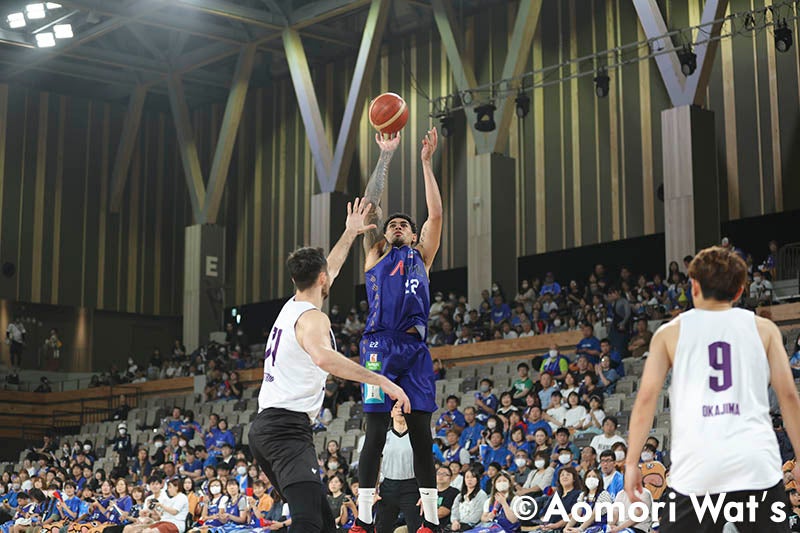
x=9, y=269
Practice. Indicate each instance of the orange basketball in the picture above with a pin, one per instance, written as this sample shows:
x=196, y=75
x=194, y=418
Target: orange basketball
x=388, y=113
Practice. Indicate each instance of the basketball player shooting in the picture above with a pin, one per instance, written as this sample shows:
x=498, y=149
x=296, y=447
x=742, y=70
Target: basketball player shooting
x=723, y=359
x=299, y=355
x=397, y=265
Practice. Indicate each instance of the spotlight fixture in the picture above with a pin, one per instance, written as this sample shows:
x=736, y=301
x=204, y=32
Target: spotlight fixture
x=63, y=31
x=16, y=20
x=45, y=40
x=485, y=118
x=523, y=102
x=688, y=60
x=446, y=125
x=601, y=83
x=783, y=36
x=35, y=11
x=52, y=5
x=466, y=97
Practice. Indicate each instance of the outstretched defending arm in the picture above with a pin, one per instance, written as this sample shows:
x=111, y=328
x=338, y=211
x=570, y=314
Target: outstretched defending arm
x=375, y=186
x=431, y=234
x=313, y=334
x=355, y=225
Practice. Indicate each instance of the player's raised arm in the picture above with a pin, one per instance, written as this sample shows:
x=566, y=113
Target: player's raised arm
x=313, y=335
x=644, y=409
x=375, y=186
x=431, y=234
x=358, y=212
x=782, y=381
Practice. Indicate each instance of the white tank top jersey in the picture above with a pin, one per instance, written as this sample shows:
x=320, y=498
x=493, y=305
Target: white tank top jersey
x=722, y=437
x=291, y=379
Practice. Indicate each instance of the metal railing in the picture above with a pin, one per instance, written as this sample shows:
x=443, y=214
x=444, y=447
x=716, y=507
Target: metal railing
x=789, y=261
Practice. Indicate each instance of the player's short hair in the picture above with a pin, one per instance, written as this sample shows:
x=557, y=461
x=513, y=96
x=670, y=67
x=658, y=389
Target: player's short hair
x=523, y=365
x=720, y=273
x=453, y=397
x=305, y=264
x=405, y=217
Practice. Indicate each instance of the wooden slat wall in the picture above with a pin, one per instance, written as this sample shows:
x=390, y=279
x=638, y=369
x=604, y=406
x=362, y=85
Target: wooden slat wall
x=56, y=153
x=588, y=168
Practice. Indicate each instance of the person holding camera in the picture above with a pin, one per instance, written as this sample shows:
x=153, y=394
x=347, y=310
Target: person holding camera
x=162, y=511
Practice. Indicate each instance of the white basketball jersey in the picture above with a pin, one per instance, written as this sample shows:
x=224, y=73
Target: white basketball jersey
x=291, y=379
x=722, y=436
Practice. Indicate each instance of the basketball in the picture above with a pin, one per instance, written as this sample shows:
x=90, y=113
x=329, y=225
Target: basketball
x=388, y=113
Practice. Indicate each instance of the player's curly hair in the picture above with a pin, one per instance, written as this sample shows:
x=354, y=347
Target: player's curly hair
x=305, y=264
x=405, y=217
x=720, y=273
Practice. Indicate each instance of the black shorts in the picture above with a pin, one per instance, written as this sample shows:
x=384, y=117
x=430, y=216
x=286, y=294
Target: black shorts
x=686, y=519
x=282, y=443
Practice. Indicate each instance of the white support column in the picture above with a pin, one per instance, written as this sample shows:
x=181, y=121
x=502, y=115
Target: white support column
x=682, y=90
x=229, y=132
x=188, y=147
x=688, y=145
x=331, y=166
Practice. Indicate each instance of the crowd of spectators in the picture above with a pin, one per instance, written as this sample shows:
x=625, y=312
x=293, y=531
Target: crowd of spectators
x=219, y=362
x=507, y=443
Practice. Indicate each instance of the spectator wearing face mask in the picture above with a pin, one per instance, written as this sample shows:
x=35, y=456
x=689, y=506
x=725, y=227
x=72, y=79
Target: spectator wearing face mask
x=159, y=456
x=593, y=493
x=87, y=451
x=556, y=364
x=761, y=289
x=485, y=402
x=122, y=442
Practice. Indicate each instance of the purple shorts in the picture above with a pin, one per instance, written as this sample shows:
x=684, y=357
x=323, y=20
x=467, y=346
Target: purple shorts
x=405, y=360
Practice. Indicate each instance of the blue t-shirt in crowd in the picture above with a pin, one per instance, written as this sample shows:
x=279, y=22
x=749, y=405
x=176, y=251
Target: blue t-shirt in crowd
x=553, y=288
x=490, y=401
x=174, y=427
x=471, y=435
x=457, y=419
x=592, y=343
x=501, y=455
x=500, y=312
x=194, y=466
x=541, y=424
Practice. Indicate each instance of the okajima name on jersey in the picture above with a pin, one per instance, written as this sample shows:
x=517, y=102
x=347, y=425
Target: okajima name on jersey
x=721, y=409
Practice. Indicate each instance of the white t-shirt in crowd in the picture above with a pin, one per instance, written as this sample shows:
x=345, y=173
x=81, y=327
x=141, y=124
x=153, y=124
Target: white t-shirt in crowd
x=179, y=502
x=602, y=443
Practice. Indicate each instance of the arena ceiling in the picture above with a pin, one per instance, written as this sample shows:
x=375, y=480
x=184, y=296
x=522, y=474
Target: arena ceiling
x=119, y=44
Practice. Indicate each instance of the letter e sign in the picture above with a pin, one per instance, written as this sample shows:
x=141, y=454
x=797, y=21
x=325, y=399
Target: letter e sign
x=211, y=266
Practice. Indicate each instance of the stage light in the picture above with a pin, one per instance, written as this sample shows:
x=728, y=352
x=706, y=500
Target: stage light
x=688, y=60
x=783, y=37
x=523, y=105
x=466, y=97
x=16, y=20
x=45, y=40
x=446, y=125
x=63, y=31
x=35, y=11
x=601, y=83
x=485, y=118
x=52, y=5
